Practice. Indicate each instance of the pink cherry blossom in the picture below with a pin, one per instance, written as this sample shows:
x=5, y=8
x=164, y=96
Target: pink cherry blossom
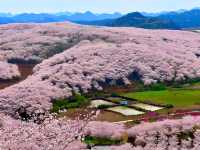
x=78, y=58
x=162, y=135
x=52, y=134
x=8, y=71
x=92, y=56
x=105, y=129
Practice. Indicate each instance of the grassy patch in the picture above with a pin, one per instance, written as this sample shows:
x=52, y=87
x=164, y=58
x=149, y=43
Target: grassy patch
x=100, y=141
x=178, y=98
x=114, y=99
x=75, y=101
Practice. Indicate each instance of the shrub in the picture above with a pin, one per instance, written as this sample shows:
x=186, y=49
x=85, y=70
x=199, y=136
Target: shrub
x=100, y=141
x=157, y=87
x=75, y=101
x=103, y=106
x=185, y=135
x=136, y=122
x=177, y=85
x=55, y=109
x=188, y=81
x=78, y=98
x=114, y=95
x=95, y=94
x=169, y=106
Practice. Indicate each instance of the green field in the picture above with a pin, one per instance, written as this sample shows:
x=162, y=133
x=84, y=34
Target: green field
x=178, y=98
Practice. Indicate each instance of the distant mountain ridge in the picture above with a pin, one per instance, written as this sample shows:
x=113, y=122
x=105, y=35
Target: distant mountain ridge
x=136, y=19
x=58, y=17
x=183, y=19
x=186, y=19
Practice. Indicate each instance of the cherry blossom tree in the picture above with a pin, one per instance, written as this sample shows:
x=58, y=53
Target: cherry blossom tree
x=79, y=58
x=8, y=71
x=91, y=57
x=163, y=135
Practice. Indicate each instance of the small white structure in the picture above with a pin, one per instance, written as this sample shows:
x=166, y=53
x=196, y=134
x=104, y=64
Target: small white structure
x=97, y=103
x=123, y=102
x=125, y=110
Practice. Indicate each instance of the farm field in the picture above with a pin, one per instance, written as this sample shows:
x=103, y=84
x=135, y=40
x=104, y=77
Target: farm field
x=177, y=98
x=147, y=107
x=125, y=111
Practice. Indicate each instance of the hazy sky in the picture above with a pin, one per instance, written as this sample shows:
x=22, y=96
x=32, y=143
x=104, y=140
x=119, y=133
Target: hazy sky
x=98, y=6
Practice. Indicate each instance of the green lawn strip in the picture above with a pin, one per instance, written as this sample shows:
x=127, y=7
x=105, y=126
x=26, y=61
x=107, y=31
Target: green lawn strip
x=100, y=141
x=114, y=100
x=178, y=98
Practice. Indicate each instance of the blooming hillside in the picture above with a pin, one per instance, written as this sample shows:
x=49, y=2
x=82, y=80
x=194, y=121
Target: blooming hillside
x=35, y=42
x=90, y=56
